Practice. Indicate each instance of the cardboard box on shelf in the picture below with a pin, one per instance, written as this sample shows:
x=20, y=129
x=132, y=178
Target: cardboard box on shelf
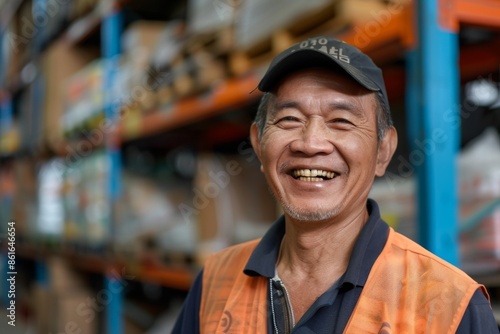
x=84, y=98
x=11, y=54
x=24, y=201
x=77, y=310
x=147, y=47
x=63, y=277
x=59, y=62
x=73, y=306
x=139, y=41
x=227, y=202
x=259, y=19
x=43, y=313
x=66, y=304
x=264, y=29
x=149, y=219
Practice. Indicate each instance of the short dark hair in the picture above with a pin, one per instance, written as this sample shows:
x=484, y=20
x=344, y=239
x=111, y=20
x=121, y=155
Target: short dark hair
x=383, y=114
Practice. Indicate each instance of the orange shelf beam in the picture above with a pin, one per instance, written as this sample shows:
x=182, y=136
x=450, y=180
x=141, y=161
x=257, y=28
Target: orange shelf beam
x=229, y=95
x=177, y=278
x=477, y=12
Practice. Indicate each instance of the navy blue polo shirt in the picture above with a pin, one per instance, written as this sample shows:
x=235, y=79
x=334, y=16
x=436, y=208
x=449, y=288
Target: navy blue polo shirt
x=331, y=311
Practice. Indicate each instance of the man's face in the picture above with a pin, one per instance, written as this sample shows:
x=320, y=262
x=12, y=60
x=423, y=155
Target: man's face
x=319, y=148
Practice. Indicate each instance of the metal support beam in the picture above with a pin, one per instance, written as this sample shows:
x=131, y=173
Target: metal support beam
x=434, y=126
x=111, y=35
x=114, y=307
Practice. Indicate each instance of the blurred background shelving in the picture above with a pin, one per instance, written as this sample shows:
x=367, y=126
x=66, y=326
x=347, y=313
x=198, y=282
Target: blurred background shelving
x=124, y=151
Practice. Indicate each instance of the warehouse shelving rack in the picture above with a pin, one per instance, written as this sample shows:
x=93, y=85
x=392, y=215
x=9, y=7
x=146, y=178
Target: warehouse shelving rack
x=432, y=78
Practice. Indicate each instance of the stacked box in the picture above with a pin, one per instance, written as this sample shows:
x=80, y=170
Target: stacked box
x=10, y=55
x=231, y=202
x=24, y=201
x=84, y=99
x=73, y=306
x=148, y=213
x=86, y=209
x=139, y=43
x=25, y=35
x=260, y=18
x=58, y=63
x=50, y=218
x=181, y=215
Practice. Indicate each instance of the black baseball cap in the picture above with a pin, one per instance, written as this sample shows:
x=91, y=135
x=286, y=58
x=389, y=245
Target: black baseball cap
x=323, y=51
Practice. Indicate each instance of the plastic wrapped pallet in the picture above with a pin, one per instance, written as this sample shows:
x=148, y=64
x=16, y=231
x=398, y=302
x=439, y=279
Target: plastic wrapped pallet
x=260, y=18
x=479, y=170
x=148, y=214
x=397, y=203
x=211, y=15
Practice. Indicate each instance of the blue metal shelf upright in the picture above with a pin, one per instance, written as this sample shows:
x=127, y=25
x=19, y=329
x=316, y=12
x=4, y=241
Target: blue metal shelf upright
x=112, y=26
x=432, y=101
x=433, y=105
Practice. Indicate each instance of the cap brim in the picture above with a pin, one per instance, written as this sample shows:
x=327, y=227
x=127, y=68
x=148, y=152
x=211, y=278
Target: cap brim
x=307, y=58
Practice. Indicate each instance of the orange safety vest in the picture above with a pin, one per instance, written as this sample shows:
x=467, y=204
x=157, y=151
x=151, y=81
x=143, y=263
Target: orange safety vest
x=408, y=290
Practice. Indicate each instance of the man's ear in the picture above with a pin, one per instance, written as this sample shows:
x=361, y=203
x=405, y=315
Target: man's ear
x=254, y=138
x=386, y=149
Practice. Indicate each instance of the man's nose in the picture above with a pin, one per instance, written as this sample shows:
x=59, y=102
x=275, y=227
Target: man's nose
x=314, y=139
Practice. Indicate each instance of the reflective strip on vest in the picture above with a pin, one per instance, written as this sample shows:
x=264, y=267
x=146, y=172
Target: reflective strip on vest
x=409, y=290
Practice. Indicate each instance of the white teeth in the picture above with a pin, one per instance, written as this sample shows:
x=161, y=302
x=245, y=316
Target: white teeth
x=311, y=174
x=310, y=179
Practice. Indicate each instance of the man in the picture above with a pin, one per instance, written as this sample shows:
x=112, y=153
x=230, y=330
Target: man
x=323, y=131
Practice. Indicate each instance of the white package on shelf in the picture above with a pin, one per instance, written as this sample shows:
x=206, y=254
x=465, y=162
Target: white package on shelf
x=479, y=171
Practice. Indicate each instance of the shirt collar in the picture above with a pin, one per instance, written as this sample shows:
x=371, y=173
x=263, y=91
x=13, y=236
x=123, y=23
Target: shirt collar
x=367, y=248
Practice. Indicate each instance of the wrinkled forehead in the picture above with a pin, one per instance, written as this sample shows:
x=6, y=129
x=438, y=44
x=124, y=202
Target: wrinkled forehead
x=327, y=77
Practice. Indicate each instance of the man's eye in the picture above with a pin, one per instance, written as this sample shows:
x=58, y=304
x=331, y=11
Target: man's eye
x=288, y=119
x=341, y=120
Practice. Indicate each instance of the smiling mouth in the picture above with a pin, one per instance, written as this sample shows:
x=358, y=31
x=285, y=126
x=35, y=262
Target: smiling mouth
x=312, y=175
